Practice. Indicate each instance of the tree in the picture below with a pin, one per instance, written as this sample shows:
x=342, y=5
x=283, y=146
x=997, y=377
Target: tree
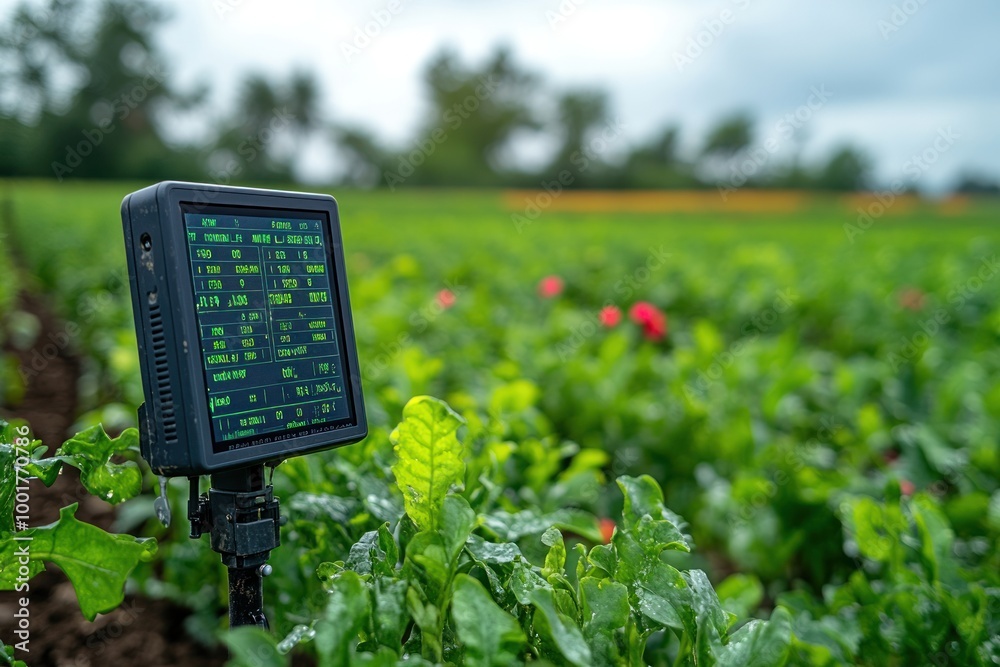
x=730, y=136
x=102, y=124
x=367, y=160
x=269, y=129
x=970, y=183
x=579, y=114
x=847, y=169
x=474, y=114
x=658, y=163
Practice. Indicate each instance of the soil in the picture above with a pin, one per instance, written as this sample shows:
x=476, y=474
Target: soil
x=140, y=632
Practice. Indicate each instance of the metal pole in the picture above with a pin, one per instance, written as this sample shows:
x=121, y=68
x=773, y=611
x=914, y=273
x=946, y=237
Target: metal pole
x=241, y=515
x=246, y=597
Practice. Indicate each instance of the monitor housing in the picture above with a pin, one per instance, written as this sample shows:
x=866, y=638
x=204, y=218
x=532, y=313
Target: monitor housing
x=243, y=321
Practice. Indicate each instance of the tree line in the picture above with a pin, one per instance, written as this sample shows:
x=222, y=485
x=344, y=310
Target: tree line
x=85, y=93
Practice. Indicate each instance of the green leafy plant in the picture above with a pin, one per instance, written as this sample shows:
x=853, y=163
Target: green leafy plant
x=444, y=588
x=96, y=562
x=922, y=596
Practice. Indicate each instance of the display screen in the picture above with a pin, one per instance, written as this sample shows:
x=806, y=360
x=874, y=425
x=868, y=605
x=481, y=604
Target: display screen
x=270, y=329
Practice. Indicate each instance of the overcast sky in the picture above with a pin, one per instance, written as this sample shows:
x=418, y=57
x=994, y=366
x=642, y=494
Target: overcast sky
x=894, y=74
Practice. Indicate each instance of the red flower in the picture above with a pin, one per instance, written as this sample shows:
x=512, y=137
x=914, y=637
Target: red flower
x=912, y=299
x=550, y=287
x=446, y=298
x=651, y=318
x=607, y=529
x=907, y=487
x=610, y=316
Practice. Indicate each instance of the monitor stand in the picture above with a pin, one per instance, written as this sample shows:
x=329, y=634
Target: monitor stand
x=240, y=513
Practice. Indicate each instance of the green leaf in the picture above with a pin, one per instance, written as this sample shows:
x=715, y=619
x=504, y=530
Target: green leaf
x=91, y=452
x=512, y=527
x=493, y=553
x=456, y=523
x=664, y=598
x=936, y=535
x=705, y=601
x=375, y=553
x=561, y=631
x=44, y=469
x=877, y=528
x=555, y=560
x=645, y=514
x=390, y=615
x=430, y=458
x=606, y=606
x=252, y=647
x=7, y=657
x=759, y=643
x=741, y=594
x=605, y=611
x=347, y=612
x=96, y=562
x=489, y=634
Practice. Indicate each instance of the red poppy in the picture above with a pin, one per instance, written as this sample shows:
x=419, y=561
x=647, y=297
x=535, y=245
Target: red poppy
x=446, y=298
x=610, y=316
x=907, y=487
x=607, y=529
x=550, y=287
x=651, y=318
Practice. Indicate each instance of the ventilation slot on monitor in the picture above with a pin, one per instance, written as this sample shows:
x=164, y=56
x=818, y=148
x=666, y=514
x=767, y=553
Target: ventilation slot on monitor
x=167, y=413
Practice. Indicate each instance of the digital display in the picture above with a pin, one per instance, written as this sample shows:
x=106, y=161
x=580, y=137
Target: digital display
x=268, y=323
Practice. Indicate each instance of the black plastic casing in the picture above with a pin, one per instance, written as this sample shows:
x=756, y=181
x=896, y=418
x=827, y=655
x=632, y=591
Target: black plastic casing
x=174, y=423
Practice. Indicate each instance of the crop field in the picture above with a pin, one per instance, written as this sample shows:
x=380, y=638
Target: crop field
x=765, y=428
